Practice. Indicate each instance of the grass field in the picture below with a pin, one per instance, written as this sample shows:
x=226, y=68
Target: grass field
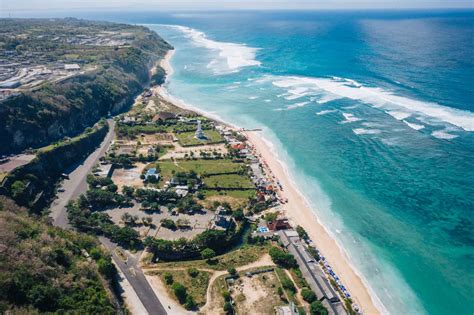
x=228, y=181
x=187, y=139
x=195, y=286
x=235, y=198
x=239, y=257
x=201, y=167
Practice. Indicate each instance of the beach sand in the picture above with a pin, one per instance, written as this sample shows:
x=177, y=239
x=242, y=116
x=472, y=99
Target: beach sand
x=298, y=211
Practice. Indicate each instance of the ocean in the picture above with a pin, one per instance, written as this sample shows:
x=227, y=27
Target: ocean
x=373, y=114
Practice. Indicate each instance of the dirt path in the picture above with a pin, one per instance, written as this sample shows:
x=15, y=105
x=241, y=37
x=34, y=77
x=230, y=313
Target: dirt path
x=212, y=308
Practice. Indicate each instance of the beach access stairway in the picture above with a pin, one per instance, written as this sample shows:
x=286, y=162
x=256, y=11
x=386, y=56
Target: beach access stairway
x=312, y=272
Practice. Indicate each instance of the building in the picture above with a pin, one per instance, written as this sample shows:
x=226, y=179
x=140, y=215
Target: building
x=286, y=310
x=72, y=67
x=279, y=224
x=163, y=116
x=182, y=190
x=10, y=85
x=152, y=172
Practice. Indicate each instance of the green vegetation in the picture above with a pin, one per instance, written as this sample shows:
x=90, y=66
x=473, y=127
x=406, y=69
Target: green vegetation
x=208, y=254
x=201, y=167
x=43, y=172
x=317, y=308
x=234, y=181
x=194, y=282
x=46, y=269
x=308, y=295
x=187, y=139
x=285, y=260
x=245, y=255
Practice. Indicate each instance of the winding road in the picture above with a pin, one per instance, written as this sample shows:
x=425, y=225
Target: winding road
x=76, y=185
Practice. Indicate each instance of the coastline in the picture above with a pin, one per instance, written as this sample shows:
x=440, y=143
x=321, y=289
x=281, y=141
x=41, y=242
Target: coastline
x=297, y=208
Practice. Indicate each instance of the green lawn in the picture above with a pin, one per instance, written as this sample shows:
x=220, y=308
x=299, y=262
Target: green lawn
x=239, y=194
x=201, y=167
x=228, y=181
x=187, y=138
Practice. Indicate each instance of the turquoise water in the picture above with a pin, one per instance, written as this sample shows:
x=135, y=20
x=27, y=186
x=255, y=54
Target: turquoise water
x=373, y=114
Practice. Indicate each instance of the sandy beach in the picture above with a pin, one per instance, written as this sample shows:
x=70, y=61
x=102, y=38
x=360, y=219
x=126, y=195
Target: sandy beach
x=297, y=210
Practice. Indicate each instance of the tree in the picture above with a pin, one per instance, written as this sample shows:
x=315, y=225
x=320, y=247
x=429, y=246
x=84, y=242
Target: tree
x=168, y=277
x=232, y=271
x=18, y=188
x=106, y=267
x=317, y=308
x=283, y=259
x=193, y=272
x=238, y=214
x=208, y=254
x=308, y=295
x=302, y=233
x=128, y=191
x=180, y=291
x=228, y=309
x=189, y=304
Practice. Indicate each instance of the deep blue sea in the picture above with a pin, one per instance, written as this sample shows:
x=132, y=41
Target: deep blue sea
x=373, y=112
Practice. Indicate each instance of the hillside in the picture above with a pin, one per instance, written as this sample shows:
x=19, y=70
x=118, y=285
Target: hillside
x=59, y=76
x=46, y=269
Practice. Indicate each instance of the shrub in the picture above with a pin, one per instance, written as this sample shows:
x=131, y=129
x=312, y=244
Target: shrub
x=208, y=254
x=168, y=277
x=193, y=272
x=226, y=296
x=288, y=284
x=308, y=295
x=228, y=309
x=180, y=291
x=317, y=308
x=189, y=304
x=232, y=271
x=283, y=259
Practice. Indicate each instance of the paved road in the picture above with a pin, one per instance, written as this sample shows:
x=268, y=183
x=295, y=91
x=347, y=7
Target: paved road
x=77, y=182
x=137, y=279
x=77, y=185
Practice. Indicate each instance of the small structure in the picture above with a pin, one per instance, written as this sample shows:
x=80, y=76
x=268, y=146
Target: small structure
x=182, y=190
x=220, y=220
x=10, y=85
x=72, y=67
x=279, y=224
x=152, y=172
x=286, y=310
x=199, y=133
x=163, y=116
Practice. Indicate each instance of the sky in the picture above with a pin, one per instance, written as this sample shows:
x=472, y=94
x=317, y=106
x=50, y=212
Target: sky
x=44, y=5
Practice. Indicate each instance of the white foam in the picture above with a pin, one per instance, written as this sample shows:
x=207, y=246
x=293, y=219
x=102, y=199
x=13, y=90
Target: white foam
x=363, y=131
x=413, y=125
x=379, y=98
x=293, y=106
x=253, y=97
x=398, y=115
x=267, y=101
x=349, y=118
x=443, y=134
x=327, y=111
x=236, y=56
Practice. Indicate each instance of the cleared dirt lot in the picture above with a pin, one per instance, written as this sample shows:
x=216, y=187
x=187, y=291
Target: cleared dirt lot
x=256, y=295
x=198, y=222
x=128, y=177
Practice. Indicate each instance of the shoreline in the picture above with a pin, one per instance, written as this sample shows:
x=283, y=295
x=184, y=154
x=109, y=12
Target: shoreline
x=297, y=209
